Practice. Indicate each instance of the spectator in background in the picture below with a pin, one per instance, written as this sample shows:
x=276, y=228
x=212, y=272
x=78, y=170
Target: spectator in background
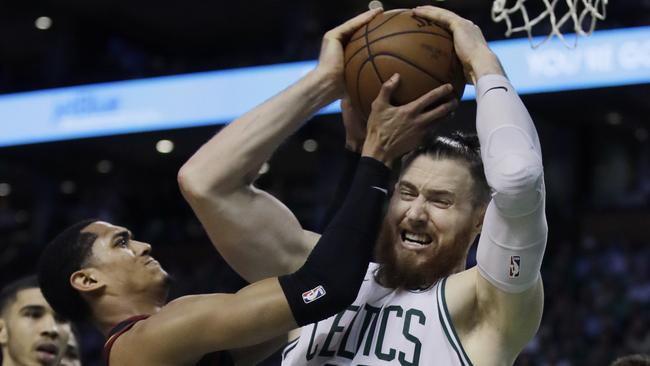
x=71, y=356
x=30, y=332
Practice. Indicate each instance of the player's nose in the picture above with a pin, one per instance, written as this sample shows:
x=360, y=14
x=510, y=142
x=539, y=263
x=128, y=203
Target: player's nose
x=417, y=210
x=143, y=248
x=50, y=328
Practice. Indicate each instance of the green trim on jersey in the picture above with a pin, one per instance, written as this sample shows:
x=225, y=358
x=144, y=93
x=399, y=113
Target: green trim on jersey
x=448, y=326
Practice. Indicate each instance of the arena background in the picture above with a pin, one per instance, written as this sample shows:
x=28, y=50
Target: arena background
x=595, y=141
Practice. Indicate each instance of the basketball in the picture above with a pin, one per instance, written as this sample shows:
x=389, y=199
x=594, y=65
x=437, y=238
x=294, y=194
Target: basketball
x=397, y=41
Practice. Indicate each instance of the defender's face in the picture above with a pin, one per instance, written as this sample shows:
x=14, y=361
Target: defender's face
x=122, y=263
x=431, y=220
x=35, y=335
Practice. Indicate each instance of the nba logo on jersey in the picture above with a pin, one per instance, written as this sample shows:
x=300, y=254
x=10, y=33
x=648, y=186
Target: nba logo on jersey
x=515, y=262
x=313, y=294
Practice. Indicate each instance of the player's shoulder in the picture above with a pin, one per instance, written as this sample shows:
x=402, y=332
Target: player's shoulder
x=461, y=285
x=128, y=345
x=460, y=293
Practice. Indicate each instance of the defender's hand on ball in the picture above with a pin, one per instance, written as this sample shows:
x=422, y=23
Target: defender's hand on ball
x=395, y=130
x=330, y=61
x=470, y=45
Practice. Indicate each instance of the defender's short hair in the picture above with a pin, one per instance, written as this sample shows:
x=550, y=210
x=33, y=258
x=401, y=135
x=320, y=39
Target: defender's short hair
x=9, y=292
x=63, y=256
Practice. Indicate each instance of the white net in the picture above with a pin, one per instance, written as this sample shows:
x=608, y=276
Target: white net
x=580, y=14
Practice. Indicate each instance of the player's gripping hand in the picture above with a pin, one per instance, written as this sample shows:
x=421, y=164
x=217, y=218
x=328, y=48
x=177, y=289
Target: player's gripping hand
x=330, y=61
x=470, y=45
x=395, y=130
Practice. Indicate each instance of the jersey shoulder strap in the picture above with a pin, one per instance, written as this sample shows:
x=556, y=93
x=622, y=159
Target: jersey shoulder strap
x=121, y=328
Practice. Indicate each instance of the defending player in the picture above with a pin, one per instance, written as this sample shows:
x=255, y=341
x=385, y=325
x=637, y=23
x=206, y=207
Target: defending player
x=97, y=271
x=419, y=305
x=30, y=332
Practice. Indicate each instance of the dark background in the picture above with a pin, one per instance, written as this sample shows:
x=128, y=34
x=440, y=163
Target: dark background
x=596, y=155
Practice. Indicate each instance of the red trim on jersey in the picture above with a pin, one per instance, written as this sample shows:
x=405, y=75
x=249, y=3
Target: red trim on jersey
x=121, y=328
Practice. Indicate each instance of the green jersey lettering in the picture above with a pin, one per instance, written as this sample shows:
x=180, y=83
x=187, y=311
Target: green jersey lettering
x=382, y=332
x=336, y=328
x=422, y=319
x=311, y=354
x=342, y=352
x=372, y=313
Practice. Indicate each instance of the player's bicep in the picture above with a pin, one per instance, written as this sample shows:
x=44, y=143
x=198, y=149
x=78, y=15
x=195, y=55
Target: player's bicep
x=516, y=316
x=508, y=282
x=254, y=232
x=190, y=327
x=479, y=308
x=253, y=355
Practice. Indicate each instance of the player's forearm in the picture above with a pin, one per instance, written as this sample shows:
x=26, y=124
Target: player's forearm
x=332, y=275
x=351, y=160
x=510, y=148
x=513, y=237
x=485, y=62
x=233, y=157
x=254, y=314
x=327, y=282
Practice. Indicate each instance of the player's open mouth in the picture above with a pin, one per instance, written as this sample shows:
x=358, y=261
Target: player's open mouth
x=46, y=352
x=415, y=240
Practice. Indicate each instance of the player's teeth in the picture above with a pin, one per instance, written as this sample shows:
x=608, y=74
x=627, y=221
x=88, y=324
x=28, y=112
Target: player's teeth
x=414, y=237
x=419, y=238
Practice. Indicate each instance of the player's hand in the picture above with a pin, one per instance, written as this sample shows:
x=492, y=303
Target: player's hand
x=469, y=43
x=395, y=130
x=355, y=125
x=330, y=61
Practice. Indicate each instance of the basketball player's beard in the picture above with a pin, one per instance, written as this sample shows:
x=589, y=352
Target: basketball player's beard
x=401, y=268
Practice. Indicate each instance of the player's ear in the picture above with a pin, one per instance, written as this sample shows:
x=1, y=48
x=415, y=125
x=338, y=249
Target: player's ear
x=4, y=337
x=479, y=215
x=86, y=281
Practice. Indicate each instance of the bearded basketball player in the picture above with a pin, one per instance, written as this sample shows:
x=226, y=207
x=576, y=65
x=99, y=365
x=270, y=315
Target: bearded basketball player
x=418, y=305
x=99, y=272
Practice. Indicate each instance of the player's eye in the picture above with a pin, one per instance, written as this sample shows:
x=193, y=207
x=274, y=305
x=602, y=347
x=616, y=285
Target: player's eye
x=407, y=193
x=407, y=190
x=33, y=313
x=442, y=203
x=121, y=242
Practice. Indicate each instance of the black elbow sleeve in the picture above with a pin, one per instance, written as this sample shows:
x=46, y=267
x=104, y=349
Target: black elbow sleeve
x=332, y=275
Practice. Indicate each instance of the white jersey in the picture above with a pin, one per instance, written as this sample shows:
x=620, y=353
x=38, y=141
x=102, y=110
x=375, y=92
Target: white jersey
x=382, y=327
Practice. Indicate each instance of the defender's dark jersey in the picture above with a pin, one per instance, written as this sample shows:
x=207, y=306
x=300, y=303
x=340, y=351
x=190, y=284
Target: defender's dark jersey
x=213, y=359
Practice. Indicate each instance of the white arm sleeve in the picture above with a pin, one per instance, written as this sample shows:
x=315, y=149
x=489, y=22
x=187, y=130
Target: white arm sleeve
x=513, y=238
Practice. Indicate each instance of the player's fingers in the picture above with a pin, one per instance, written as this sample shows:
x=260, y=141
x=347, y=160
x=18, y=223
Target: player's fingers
x=439, y=112
x=440, y=16
x=433, y=96
x=387, y=90
x=346, y=29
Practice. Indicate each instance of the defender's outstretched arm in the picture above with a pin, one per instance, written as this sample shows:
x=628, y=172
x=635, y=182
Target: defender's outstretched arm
x=256, y=233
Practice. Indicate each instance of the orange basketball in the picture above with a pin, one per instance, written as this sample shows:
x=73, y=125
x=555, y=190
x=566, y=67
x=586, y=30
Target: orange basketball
x=397, y=41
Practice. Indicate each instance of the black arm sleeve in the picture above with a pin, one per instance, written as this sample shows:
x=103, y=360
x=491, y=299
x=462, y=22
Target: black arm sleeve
x=332, y=275
x=350, y=162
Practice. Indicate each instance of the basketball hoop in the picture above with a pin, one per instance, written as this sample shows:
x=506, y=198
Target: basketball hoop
x=578, y=12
